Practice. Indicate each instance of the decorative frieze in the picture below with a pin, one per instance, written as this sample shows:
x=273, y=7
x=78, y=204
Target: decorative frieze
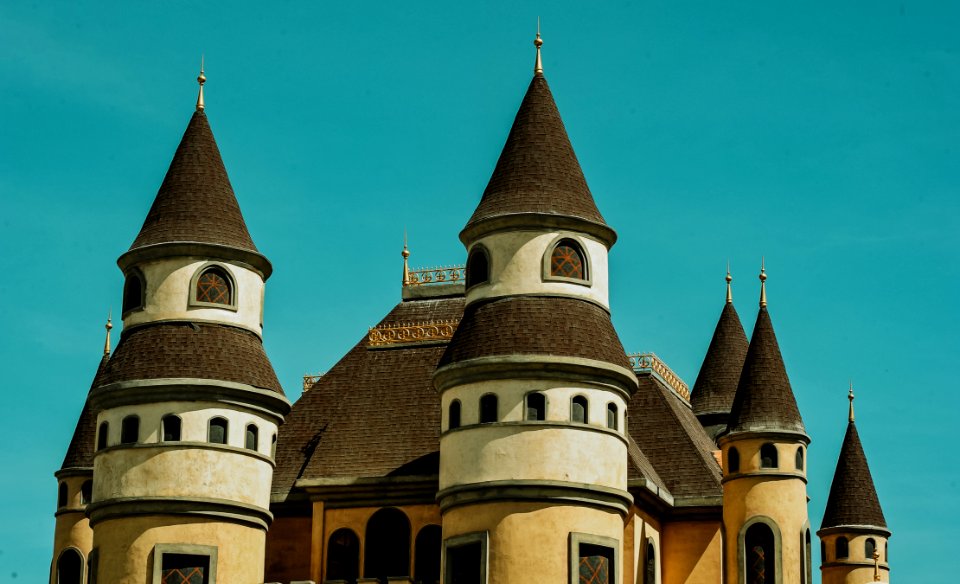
x=411, y=332
x=649, y=363
x=425, y=276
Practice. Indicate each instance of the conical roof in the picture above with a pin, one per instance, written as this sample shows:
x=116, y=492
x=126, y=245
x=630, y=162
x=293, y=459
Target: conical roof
x=716, y=384
x=764, y=400
x=81, y=449
x=195, y=202
x=537, y=179
x=853, y=499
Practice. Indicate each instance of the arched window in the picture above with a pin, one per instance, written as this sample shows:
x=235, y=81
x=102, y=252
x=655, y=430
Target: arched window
x=478, y=267
x=426, y=557
x=612, y=416
x=171, y=426
x=102, y=435
x=807, y=558
x=799, y=460
x=343, y=556
x=86, y=492
x=387, y=545
x=214, y=287
x=536, y=406
x=217, y=433
x=453, y=418
x=132, y=292
x=869, y=547
x=760, y=560
x=843, y=548
x=803, y=561
x=273, y=446
x=130, y=430
x=578, y=409
x=886, y=552
x=733, y=460
x=567, y=260
x=650, y=563
x=488, y=409
x=70, y=567
x=823, y=551
x=251, y=437
x=768, y=456
x=62, y=495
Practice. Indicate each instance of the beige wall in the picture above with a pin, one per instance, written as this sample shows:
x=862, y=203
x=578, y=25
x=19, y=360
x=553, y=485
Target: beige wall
x=851, y=573
x=126, y=547
x=195, y=419
x=516, y=266
x=288, y=549
x=641, y=527
x=692, y=552
x=72, y=528
x=168, y=290
x=530, y=542
x=164, y=471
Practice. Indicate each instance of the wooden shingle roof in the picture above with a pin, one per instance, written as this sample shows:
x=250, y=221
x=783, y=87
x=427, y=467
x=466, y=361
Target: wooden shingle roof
x=853, y=498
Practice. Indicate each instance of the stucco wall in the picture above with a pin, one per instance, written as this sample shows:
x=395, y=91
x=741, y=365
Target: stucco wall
x=846, y=570
x=692, y=552
x=288, y=549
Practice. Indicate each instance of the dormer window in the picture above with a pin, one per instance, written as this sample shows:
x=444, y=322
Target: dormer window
x=478, y=266
x=213, y=286
x=133, y=297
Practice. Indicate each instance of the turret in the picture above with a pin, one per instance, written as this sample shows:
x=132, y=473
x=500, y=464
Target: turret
x=72, y=536
x=767, y=534
x=188, y=406
x=854, y=533
x=716, y=385
x=535, y=383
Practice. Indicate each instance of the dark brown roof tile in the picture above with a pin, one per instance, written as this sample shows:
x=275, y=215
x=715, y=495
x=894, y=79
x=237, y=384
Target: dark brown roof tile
x=853, y=498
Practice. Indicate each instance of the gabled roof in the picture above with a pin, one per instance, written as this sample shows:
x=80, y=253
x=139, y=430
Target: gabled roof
x=81, y=449
x=672, y=439
x=191, y=350
x=195, y=202
x=716, y=384
x=853, y=499
x=538, y=175
x=374, y=414
x=764, y=399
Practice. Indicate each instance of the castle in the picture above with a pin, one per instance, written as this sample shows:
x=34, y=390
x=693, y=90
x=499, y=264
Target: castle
x=490, y=429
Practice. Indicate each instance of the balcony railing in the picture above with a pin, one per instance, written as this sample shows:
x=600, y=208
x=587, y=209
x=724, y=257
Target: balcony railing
x=426, y=276
x=649, y=363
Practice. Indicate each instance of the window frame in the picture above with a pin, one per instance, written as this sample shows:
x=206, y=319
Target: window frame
x=586, y=409
x=496, y=401
x=138, y=275
x=776, y=456
x=226, y=430
x=459, y=406
x=733, y=460
x=192, y=301
x=133, y=418
x=86, y=499
x=777, y=548
x=846, y=548
x=256, y=437
x=613, y=409
x=103, y=435
x=482, y=250
x=526, y=407
x=799, y=460
x=163, y=427
x=547, y=271
x=160, y=549
x=83, y=562
x=573, y=554
x=63, y=495
x=481, y=537
x=866, y=543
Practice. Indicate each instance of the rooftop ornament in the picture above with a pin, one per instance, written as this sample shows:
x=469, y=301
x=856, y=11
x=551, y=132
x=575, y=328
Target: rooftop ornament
x=422, y=276
x=650, y=364
x=201, y=79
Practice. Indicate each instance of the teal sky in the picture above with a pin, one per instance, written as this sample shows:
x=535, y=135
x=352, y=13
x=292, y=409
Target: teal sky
x=821, y=135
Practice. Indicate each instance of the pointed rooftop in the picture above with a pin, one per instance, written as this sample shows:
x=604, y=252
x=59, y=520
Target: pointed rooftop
x=764, y=400
x=853, y=499
x=716, y=384
x=537, y=180
x=80, y=452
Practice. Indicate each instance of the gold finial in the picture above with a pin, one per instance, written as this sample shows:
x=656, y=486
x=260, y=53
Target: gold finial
x=538, y=42
x=406, y=254
x=763, y=283
x=876, y=565
x=108, y=326
x=850, y=397
x=201, y=79
x=729, y=279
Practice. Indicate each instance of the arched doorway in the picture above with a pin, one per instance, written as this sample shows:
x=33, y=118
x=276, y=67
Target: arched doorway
x=760, y=560
x=70, y=567
x=387, y=545
x=343, y=556
x=426, y=565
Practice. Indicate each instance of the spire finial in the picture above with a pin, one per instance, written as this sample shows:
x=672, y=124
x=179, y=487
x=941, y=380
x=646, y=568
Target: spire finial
x=108, y=326
x=538, y=42
x=763, y=283
x=406, y=254
x=850, y=397
x=201, y=79
x=729, y=279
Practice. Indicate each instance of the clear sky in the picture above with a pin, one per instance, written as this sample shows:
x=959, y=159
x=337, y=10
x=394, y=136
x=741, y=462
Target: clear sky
x=819, y=134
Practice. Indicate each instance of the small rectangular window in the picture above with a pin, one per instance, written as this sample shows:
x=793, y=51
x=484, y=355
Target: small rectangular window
x=185, y=569
x=593, y=559
x=466, y=559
